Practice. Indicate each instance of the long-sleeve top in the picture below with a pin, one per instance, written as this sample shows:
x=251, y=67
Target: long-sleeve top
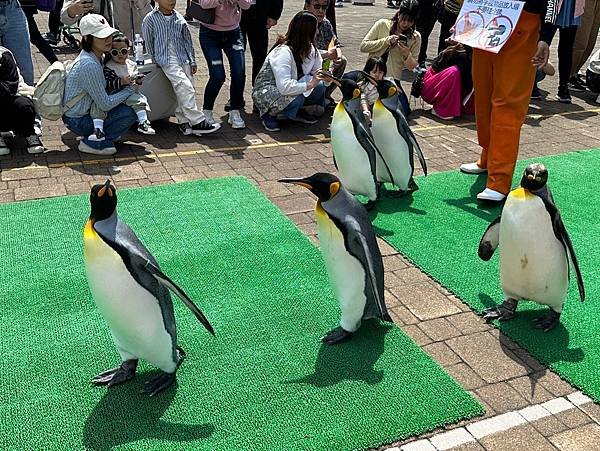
x=159, y=30
x=285, y=70
x=9, y=75
x=227, y=13
x=377, y=42
x=264, y=9
x=87, y=76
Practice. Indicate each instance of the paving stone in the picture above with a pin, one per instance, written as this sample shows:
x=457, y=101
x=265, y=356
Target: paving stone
x=593, y=410
x=420, y=445
x=548, y=426
x=39, y=192
x=473, y=446
x=451, y=439
x=578, y=398
x=439, y=329
x=416, y=334
x=442, y=353
x=584, y=438
x=530, y=389
x=557, y=405
x=468, y=323
x=574, y=418
x=465, y=376
x=482, y=352
x=555, y=385
x=502, y=397
x=534, y=413
x=495, y=424
x=424, y=301
x=24, y=173
x=523, y=437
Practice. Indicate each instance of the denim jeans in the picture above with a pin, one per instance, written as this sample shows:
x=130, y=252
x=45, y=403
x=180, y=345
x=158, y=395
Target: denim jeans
x=316, y=97
x=14, y=35
x=117, y=122
x=213, y=44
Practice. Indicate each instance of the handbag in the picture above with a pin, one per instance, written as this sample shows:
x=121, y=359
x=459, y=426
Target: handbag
x=204, y=15
x=45, y=5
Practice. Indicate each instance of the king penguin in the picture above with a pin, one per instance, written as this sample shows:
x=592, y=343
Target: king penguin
x=352, y=144
x=395, y=140
x=132, y=294
x=535, y=250
x=351, y=254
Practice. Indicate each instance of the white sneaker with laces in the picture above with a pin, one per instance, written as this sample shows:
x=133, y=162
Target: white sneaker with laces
x=84, y=148
x=235, y=120
x=208, y=117
x=4, y=150
x=491, y=195
x=34, y=145
x=472, y=168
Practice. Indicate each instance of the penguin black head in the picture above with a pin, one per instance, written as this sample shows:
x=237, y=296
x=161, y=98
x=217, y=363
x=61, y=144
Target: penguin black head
x=386, y=88
x=103, y=201
x=534, y=177
x=322, y=184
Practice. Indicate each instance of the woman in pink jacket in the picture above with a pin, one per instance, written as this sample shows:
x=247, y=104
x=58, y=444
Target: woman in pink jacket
x=224, y=36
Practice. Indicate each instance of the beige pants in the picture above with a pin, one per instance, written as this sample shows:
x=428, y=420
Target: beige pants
x=585, y=39
x=183, y=85
x=136, y=101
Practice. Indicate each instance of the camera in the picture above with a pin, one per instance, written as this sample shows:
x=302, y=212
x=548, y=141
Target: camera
x=403, y=39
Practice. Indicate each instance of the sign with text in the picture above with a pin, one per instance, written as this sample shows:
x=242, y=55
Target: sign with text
x=487, y=24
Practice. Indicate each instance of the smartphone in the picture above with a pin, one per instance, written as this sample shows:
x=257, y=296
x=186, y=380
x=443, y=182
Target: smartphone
x=403, y=39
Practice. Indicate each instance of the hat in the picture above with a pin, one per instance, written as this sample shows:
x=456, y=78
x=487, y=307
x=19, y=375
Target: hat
x=95, y=25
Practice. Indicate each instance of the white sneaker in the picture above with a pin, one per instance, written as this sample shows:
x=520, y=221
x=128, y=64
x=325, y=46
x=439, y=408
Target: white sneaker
x=235, y=120
x=34, y=145
x=598, y=99
x=472, y=168
x=491, y=195
x=208, y=117
x=84, y=148
x=4, y=150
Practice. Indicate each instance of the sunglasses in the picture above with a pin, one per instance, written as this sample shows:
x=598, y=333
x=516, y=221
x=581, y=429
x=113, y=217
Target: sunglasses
x=116, y=52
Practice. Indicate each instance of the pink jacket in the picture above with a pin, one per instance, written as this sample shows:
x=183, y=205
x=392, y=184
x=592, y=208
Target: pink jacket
x=227, y=13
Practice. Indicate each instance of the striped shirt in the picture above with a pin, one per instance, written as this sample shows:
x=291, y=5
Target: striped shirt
x=159, y=30
x=86, y=75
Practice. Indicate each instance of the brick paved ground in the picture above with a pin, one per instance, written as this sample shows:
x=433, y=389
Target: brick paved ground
x=497, y=371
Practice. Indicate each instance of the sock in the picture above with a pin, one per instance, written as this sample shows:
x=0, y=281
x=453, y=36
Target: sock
x=142, y=116
x=99, y=123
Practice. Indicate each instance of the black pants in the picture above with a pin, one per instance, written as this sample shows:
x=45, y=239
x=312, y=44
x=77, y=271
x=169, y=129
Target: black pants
x=36, y=38
x=19, y=116
x=54, y=18
x=430, y=13
x=257, y=36
x=565, y=52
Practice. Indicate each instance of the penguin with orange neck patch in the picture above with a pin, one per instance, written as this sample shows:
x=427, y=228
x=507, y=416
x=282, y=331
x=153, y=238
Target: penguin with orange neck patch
x=535, y=250
x=132, y=293
x=351, y=254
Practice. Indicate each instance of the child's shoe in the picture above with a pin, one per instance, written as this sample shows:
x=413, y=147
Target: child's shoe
x=98, y=135
x=146, y=128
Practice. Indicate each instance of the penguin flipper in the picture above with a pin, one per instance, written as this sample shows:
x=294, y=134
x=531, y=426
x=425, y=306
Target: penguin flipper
x=489, y=240
x=409, y=136
x=164, y=280
x=359, y=247
x=560, y=231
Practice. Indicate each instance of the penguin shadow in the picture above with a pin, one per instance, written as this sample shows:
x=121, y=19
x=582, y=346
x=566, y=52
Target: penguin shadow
x=125, y=414
x=351, y=360
x=555, y=342
x=389, y=205
x=484, y=210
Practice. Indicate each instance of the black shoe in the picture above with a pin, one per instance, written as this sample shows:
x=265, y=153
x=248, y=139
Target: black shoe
x=204, y=128
x=577, y=84
x=51, y=38
x=390, y=4
x=563, y=95
x=227, y=106
x=535, y=93
x=304, y=118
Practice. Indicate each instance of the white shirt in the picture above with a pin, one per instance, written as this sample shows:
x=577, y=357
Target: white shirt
x=283, y=65
x=122, y=70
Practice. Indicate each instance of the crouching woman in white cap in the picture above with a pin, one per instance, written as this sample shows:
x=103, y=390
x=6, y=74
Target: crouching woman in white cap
x=85, y=81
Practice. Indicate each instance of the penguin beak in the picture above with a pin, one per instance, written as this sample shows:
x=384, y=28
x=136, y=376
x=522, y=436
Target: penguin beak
x=368, y=76
x=331, y=78
x=105, y=188
x=299, y=182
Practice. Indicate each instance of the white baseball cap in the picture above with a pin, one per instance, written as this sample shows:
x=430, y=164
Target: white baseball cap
x=95, y=25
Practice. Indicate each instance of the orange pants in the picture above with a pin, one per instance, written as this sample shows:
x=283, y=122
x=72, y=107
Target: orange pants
x=503, y=84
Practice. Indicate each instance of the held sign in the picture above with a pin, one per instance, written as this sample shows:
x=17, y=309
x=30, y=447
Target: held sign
x=487, y=24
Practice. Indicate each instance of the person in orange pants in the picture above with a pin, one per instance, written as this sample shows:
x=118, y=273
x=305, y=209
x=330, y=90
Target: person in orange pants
x=502, y=84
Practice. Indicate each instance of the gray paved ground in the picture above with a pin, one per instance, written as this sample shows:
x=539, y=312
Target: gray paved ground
x=488, y=364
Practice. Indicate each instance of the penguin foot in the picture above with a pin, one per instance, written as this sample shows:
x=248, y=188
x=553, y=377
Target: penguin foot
x=502, y=312
x=548, y=321
x=117, y=375
x=159, y=383
x=396, y=193
x=369, y=205
x=336, y=336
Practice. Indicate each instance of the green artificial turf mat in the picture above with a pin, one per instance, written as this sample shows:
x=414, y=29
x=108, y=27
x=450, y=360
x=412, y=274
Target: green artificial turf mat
x=265, y=382
x=439, y=229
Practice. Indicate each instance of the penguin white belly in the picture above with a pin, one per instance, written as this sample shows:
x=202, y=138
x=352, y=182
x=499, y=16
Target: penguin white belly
x=131, y=312
x=346, y=274
x=393, y=148
x=533, y=263
x=352, y=160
